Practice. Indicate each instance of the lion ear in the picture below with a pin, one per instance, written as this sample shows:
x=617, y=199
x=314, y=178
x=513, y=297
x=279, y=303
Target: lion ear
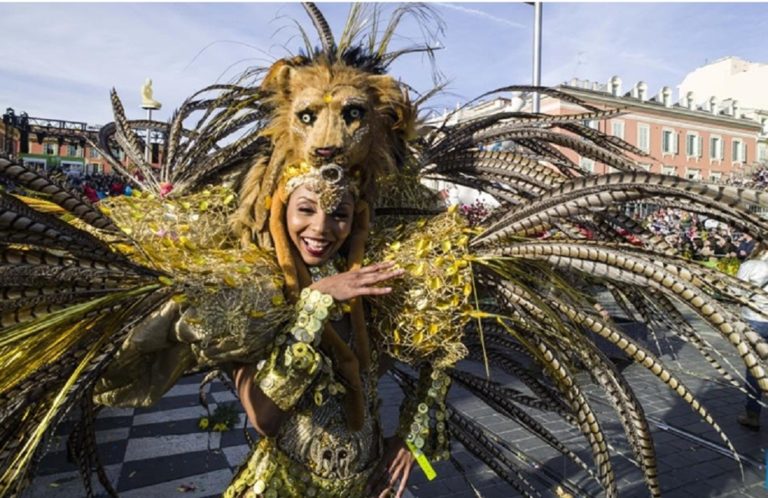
x=278, y=77
x=393, y=100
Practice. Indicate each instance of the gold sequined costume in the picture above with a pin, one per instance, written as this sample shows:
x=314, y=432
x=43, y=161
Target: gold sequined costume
x=111, y=304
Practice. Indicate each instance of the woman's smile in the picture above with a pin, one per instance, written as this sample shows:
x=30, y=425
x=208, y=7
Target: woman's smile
x=315, y=234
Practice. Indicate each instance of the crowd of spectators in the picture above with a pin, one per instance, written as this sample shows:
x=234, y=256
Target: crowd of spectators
x=757, y=179
x=698, y=237
x=93, y=186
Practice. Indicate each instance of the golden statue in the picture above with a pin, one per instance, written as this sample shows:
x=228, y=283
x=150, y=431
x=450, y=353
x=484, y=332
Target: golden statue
x=147, y=102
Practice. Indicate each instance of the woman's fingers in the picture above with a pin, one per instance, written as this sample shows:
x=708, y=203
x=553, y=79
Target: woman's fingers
x=374, y=278
x=376, y=267
x=406, y=473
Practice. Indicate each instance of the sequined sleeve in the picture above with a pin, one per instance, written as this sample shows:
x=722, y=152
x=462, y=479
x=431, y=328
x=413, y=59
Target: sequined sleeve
x=210, y=327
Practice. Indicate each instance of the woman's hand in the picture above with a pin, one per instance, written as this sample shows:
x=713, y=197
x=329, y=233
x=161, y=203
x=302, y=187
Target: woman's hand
x=395, y=466
x=362, y=282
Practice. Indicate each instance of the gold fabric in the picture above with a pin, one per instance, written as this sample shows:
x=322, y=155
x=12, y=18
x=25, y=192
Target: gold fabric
x=315, y=453
x=211, y=328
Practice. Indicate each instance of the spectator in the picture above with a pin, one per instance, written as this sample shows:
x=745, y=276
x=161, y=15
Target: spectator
x=755, y=271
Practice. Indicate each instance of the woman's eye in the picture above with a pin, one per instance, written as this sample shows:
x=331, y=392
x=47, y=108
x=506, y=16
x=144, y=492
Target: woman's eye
x=341, y=216
x=306, y=117
x=352, y=113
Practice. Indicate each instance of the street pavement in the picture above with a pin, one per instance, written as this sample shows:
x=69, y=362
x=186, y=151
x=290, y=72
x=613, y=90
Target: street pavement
x=161, y=452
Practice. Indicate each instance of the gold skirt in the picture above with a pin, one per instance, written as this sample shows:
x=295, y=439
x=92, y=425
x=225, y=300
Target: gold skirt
x=270, y=473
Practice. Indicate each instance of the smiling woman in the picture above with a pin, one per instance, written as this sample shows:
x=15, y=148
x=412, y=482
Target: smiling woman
x=316, y=234
x=305, y=297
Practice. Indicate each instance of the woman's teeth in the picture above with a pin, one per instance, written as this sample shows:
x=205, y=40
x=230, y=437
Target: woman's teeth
x=316, y=245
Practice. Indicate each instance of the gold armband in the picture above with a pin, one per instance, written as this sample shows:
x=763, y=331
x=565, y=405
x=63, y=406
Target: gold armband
x=313, y=310
x=294, y=363
x=423, y=416
x=288, y=373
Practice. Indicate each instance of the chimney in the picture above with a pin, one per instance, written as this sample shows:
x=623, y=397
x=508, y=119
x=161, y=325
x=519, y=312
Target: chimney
x=666, y=96
x=642, y=90
x=615, y=86
x=713, y=104
x=735, y=108
x=689, y=100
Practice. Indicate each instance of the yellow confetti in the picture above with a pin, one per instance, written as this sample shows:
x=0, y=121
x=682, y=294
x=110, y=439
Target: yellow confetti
x=278, y=300
x=179, y=298
x=418, y=270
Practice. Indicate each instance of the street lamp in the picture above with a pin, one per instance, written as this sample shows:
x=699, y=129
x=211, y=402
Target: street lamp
x=536, y=53
x=536, y=102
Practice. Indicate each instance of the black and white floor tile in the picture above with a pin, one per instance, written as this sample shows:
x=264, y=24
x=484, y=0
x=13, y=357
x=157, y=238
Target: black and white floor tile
x=154, y=452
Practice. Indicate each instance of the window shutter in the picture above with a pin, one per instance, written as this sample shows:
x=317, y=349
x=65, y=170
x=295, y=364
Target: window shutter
x=677, y=143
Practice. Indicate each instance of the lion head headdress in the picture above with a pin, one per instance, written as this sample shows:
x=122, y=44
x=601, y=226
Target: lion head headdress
x=337, y=121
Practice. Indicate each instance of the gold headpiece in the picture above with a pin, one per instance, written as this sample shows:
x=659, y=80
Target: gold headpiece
x=330, y=182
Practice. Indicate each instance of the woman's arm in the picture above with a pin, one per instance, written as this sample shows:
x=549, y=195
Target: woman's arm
x=265, y=416
x=263, y=411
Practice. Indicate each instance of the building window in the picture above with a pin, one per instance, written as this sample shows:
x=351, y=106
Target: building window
x=714, y=176
x=35, y=163
x=587, y=164
x=617, y=128
x=668, y=170
x=738, y=151
x=73, y=151
x=693, y=174
x=668, y=142
x=591, y=123
x=93, y=153
x=92, y=168
x=715, y=148
x=644, y=137
x=49, y=148
x=762, y=152
x=692, y=145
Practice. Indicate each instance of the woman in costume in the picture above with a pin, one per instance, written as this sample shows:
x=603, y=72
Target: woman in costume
x=305, y=431
x=162, y=279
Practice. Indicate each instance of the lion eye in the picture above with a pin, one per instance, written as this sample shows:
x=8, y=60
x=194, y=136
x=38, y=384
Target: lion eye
x=306, y=117
x=352, y=113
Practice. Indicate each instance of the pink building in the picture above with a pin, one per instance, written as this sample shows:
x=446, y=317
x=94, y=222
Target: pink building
x=707, y=142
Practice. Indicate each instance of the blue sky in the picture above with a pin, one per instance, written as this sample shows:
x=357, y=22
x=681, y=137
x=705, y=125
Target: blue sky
x=60, y=60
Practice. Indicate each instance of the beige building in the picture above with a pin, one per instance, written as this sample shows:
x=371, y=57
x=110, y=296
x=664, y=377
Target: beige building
x=734, y=82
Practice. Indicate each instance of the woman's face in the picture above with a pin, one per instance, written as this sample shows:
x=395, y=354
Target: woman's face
x=316, y=234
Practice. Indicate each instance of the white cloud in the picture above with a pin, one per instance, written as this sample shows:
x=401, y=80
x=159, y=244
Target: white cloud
x=481, y=14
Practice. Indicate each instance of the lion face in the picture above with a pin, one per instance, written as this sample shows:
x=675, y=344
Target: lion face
x=330, y=116
x=331, y=124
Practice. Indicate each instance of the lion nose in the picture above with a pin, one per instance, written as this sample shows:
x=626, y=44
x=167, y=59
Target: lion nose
x=326, y=152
